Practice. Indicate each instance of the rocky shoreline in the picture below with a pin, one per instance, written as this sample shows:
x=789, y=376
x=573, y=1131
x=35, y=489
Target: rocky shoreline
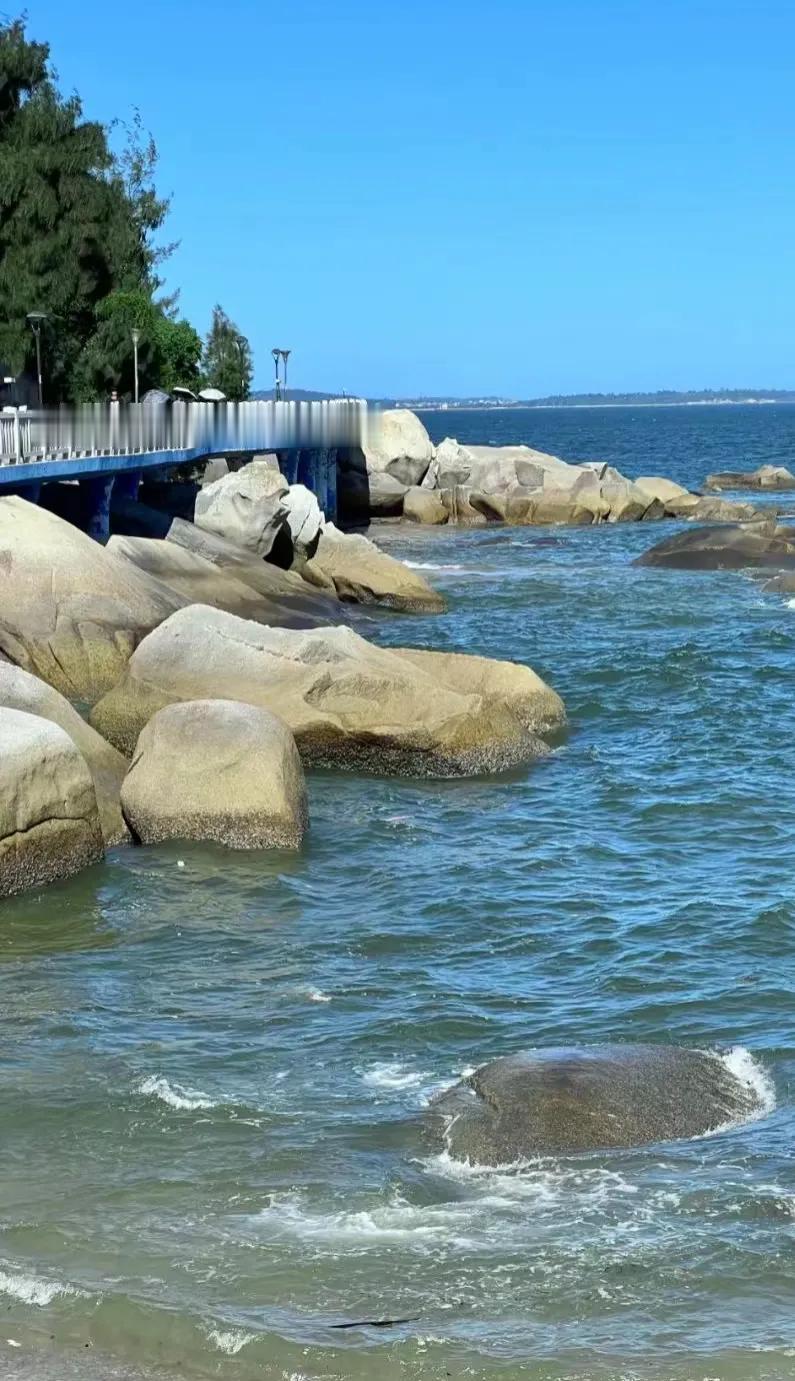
x=401, y=474
x=178, y=687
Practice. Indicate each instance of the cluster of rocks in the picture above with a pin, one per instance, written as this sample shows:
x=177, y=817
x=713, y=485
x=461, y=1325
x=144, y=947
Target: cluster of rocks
x=212, y=677
x=769, y=477
x=401, y=474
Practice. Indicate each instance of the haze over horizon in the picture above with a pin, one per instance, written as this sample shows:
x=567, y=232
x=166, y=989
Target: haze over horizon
x=545, y=199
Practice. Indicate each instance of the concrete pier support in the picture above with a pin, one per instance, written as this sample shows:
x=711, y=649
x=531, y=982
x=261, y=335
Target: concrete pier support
x=288, y=464
x=95, y=492
x=317, y=469
x=127, y=484
x=331, y=485
x=30, y=491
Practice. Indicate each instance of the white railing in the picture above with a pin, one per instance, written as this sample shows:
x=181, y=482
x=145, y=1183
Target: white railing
x=107, y=429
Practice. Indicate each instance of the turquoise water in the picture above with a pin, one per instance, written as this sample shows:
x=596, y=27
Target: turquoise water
x=214, y=1064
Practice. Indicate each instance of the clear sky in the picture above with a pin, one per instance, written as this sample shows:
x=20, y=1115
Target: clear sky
x=515, y=197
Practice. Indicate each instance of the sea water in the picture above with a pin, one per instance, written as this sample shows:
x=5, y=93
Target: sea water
x=214, y=1065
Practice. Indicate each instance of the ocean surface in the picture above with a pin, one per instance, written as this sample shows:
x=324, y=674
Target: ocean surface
x=213, y=1065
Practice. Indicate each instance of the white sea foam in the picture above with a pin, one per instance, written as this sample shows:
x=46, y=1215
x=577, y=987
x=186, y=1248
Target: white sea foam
x=393, y=1075
x=230, y=1341
x=755, y=1079
x=28, y=1289
x=414, y=1225
x=174, y=1095
x=435, y=566
x=315, y=995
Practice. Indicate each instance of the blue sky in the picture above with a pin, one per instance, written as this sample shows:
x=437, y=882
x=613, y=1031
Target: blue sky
x=438, y=197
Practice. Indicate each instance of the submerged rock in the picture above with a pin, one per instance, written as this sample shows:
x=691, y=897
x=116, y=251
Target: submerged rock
x=350, y=704
x=219, y=770
x=49, y=821
x=724, y=548
x=559, y=1101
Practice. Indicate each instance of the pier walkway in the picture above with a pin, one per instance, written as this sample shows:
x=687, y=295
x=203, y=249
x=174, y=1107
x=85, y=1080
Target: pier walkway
x=107, y=448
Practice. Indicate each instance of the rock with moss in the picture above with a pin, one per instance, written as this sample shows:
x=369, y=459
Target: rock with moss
x=349, y=704
x=547, y=1102
x=49, y=818
x=355, y=569
x=216, y=770
x=71, y=612
x=19, y=690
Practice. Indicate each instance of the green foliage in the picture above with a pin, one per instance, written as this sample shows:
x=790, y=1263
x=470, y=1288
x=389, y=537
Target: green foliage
x=134, y=167
x=227, y=361
x=179, y=349
x=64, y=228
x=79, y=229
x=168, y=351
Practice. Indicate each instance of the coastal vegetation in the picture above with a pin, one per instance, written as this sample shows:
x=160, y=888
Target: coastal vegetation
x=81, y=224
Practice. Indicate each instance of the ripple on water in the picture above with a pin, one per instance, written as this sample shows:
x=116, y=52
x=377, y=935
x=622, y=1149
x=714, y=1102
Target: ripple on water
x=215, y=1075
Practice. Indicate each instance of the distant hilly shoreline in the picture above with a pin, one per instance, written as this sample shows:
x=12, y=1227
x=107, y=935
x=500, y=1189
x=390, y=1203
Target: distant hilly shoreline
x=663, y=398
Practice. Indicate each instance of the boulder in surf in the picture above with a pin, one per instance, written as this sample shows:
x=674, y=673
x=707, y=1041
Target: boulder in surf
x=563, y=1101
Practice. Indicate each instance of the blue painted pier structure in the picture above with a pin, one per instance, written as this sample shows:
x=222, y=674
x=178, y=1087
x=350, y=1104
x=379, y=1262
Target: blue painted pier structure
x=109, y=448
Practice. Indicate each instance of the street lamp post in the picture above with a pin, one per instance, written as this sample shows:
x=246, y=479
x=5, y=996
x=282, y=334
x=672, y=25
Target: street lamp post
x=276, y=352
x=36, y=319
x=284, y=355
x=136, y=336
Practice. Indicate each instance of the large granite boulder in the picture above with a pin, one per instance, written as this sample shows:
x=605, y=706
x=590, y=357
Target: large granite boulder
x=305, y=522
x=706, y=508
x=459, y=504
x=424, y=506
x=665, y=491
x=350, y=704
x=500, y=467
x=49, y=821
x=21, y=691
x=385, y=495
x=397, y=444
x=245, y=507
x=289, y=601
x=355, y=569
x=536, y=705
x=766, y=477
x=450, y=466
x=220, y=770
x=215, y=469
x=562, y=1101
x=724, y=548
x=626, y=502
x=193, y=578
x=70, y=611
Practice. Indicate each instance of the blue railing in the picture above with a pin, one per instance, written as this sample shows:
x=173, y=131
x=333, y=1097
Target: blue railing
x=186, y=429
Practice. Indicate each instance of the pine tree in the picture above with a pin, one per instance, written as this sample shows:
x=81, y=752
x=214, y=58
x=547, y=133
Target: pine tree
x=79, y=241
x=66, y=231
x=227, y=362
